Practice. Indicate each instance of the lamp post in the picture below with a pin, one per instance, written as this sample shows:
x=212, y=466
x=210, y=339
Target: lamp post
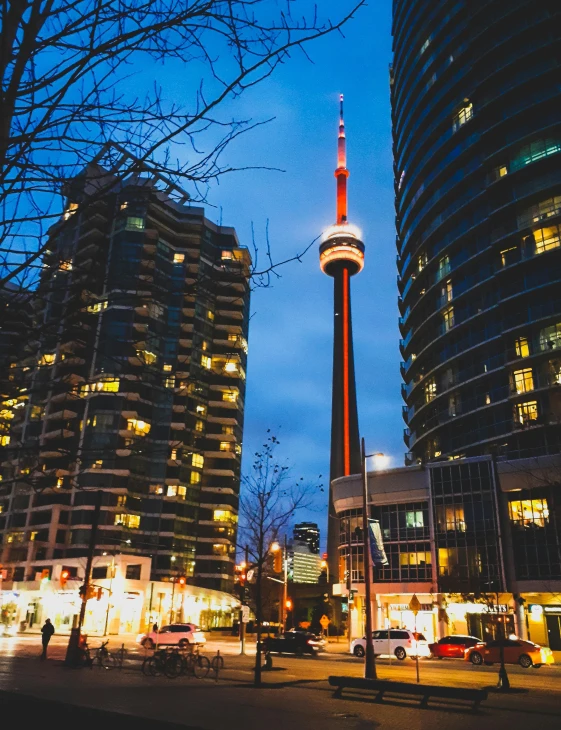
x=369, y=658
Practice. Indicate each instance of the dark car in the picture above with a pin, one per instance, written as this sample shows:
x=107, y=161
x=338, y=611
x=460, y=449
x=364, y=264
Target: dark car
x=452, y=647
x=294, y=642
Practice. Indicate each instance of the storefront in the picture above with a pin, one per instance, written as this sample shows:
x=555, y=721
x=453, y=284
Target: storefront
x=481, y=620
x=544, y=624
x=400, y=616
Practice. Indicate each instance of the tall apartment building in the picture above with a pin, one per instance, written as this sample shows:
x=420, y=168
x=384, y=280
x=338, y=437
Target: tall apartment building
x=307, y=533
x=477, y=151
x=134, y=385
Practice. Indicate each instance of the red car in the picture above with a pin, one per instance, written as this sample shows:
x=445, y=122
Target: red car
x=452, y=647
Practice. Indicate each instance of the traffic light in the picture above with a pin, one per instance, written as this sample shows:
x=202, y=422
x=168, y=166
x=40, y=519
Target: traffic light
x=85, y=596
x=182, y=580
x=64, y=576
x=277, y=563
x=288, y=604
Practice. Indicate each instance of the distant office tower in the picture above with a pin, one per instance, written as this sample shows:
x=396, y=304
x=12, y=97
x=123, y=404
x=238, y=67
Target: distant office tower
x=308, y=534
x=134, y=384
x=304, y=566
x=477, y=159
x=341, y=256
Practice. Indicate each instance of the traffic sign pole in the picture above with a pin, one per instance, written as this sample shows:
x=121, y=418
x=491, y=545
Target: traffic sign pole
x=415, y=606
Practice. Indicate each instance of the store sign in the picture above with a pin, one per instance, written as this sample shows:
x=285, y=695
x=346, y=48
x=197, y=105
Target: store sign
x=498, y=608
x=407, y=607
x=552, y=609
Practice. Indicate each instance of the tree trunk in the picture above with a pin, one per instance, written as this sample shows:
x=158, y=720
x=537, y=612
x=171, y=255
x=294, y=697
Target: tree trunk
x=259, y=618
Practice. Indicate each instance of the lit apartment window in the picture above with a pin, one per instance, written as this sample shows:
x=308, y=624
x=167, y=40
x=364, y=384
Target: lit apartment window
x=443, y=267
x=181, y=492
x=106, y=386
x=155, y=489
x=509, y=256
x=219, y=549
x=195, y=477
x=463, y=115
x=499, y=172
x=233, y=338
x=448, y=316
x=4, y=440
x=135, y=224
x=15, y=537
x=526, y=412
x=447, y=291
x=124, y=205
x=47, y=358
x=422, y=261
x=547, y=238
x=414, y=519
x=199, y=425
x=210, y=315
x=138, y=427
x=170, y=382
x=529, y=512
x=167, y=368
x=521, y=347
x=198, y=460
x=550, y=337
x=148, y=357
x=97, y=464
x=523, y=380
x=231, y=367
x=171, y=491
x=226, y=255
x=450, y=518
x=422, y=558
x=97, y=306
x=544, y=209
x=536, y=150
x=206, y=362
x=65, y=265
x=178, y=258
x=121, y=500
x=204, y=345
x=227, y=429
x=430, y=390
x=201, y=410
x=72, y=208
x=131, y=521
x=224, y=515
x=225, y=446
x=155, y=310
x=59, y=482
x=230, y=395
x=173, y=455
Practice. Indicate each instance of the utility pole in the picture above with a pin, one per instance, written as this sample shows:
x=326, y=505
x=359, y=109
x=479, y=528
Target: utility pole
x=285, y=585
x=369, y=659
x=72, y=651
x=243, y=624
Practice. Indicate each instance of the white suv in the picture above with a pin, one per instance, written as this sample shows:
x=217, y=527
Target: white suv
x=180, y=634
x=401, y=643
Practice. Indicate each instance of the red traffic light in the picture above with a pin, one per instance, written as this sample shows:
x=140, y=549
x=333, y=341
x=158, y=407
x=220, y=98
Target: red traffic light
x=182, y=580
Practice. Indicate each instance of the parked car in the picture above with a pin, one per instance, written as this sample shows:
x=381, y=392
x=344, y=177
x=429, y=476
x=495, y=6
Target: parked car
x=180, y=634
x=452, y=646
x=401, y=643
x=294, y=642
x=516, y=651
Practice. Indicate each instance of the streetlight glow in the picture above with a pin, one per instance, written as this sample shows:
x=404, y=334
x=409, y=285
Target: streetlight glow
x=381, y=461
x=275, y=547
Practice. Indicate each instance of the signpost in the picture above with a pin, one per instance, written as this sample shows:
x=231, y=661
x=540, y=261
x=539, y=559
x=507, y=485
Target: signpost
x=415, y=606
x=245, y=614
x=324, y=621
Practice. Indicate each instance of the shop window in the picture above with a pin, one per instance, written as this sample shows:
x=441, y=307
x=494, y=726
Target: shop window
x=529, y=512
x=547, y=238
x=198, y=460
x=522, y=347
x=414, y=519
x=463, y=115
x=550, y=337
x=527, y=412
x=523, y=380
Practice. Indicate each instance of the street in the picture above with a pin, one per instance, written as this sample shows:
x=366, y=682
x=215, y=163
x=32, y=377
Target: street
x=296, y=694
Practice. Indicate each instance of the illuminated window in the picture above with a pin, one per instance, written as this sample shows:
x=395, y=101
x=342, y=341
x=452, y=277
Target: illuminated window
x=97, y=307
x=170, y=382
x=195, y=477
x=238, y=449
x=526, y=412
x=156, y=489
x=500, y=171
x=463, y=116
x=121, y=500
x=198, y=460
x=547, y=238
x=219, y=549
x=210, y=315
x=430, y=390
x=15, y=537
x=225, y=446
x=230, y=395
x=135, y=224
x=178, y=258
x=542, y=210
x=173, y=455
x=231, y=367
x=167, y=368
x=224, y=515
x=206, y=362
x=536, y=150
x=204, y=345
x=227, y=429
x=487, y=399
x=450, y=518
x=33, y=535
x=233, y=338
x=131, y=521
x=550, y=337
x=98, y=464
x=181, y=492
x=65, y=265
x=124, y=205
x=529, y=512
x=171, y=490
x=226, y=255
x=140, y=428
x=522, y=347
x=443, y=267
x=106, y=386
x=47, y=358
x=59, y=482
x=199, y=425
x=447, y=291
x=72, y=208
x=201, y=410
x=414, y=519
x=509, y=256
x=148, y=357
x=523, y=380
x=448, y=316
x=422, y=261
x=422, y=558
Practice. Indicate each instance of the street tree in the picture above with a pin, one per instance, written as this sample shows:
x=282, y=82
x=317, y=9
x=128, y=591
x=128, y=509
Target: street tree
x=269, y=500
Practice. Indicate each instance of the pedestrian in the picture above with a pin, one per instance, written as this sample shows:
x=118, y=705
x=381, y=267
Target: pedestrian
x=155, y=628
x=47, y=631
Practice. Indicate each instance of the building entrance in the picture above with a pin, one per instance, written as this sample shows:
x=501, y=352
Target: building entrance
x=553, y=624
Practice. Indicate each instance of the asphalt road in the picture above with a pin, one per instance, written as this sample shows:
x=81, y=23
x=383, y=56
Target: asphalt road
x=296, y=694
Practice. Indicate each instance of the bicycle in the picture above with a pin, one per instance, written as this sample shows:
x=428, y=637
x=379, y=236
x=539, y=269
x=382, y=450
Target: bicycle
x=102, y=657
x=193, y=662
x=154, y=665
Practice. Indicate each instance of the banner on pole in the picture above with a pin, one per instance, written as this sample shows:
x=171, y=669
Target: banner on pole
x=377, y=551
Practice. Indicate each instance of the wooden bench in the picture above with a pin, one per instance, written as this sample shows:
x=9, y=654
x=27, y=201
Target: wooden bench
x=425, y=691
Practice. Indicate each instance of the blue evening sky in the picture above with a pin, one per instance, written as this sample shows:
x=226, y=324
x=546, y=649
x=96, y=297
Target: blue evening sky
x=290, y=344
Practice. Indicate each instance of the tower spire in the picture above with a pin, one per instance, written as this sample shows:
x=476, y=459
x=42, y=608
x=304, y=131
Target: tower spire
x=341, y=173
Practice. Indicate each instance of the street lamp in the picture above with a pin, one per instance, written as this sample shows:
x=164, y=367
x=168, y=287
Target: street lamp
x=276, y=548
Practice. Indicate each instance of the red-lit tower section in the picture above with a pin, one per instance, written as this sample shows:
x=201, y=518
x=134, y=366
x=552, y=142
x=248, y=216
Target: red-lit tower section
x=341, y=256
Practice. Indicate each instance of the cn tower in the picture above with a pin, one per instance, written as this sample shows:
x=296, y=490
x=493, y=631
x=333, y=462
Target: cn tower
x=341, y=256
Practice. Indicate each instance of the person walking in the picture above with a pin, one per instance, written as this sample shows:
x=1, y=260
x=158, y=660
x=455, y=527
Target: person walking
x=47, y=631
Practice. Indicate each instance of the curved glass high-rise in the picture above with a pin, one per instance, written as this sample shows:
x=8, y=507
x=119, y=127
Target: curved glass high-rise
x=476, y=100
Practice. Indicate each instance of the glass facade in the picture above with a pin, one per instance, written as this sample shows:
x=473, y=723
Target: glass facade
x=477, y=151
x=536, y=533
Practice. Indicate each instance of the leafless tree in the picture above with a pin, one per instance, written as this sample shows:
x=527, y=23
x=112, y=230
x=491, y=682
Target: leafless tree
x=270, y=498
x=82, y=81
